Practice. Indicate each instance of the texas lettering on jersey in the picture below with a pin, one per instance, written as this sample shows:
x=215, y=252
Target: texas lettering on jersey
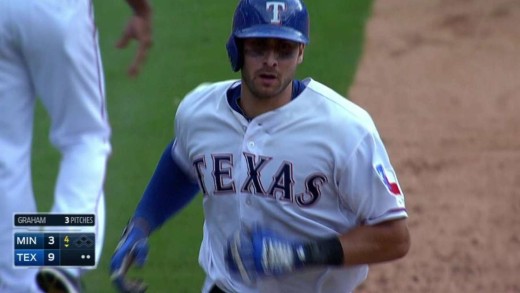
x=281, y=186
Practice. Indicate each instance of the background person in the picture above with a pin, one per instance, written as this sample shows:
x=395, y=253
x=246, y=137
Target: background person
x=49, y=50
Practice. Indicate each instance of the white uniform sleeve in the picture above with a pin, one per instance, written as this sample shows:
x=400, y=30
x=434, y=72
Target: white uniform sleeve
x=369, y=185
x=182, y=118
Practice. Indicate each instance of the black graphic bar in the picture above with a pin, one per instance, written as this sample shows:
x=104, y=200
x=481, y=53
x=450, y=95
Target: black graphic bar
x=39, y=220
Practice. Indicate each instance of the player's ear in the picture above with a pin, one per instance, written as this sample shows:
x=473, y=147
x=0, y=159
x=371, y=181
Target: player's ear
x=301, y=51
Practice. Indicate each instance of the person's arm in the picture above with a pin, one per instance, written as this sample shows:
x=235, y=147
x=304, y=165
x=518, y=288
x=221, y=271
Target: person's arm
x=261, y=252
x=139, y=27
x=140, y=7
x=365, y=244
x=169, y=190
x=386, y=241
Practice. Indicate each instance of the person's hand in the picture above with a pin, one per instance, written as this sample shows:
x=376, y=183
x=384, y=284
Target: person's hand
x=132, y=249
x=138, y=28
x=260, y=252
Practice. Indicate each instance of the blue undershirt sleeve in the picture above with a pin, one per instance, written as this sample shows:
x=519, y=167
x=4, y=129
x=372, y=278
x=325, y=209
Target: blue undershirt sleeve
x=168, y=191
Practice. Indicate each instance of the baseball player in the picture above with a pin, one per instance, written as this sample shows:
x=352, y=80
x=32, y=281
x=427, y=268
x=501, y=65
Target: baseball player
x=299, y=194
x=49, y=49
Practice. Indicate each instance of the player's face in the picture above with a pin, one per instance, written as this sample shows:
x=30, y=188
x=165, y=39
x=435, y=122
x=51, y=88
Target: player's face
x=269, y=66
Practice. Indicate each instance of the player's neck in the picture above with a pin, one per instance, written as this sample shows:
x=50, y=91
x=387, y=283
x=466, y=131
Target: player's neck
x=253, y=105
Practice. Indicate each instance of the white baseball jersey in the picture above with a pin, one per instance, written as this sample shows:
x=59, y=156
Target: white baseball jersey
x=316, y=167
x=49, y=50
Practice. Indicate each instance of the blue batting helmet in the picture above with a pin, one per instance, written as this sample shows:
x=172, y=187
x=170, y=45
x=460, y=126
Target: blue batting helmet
x=283, y=19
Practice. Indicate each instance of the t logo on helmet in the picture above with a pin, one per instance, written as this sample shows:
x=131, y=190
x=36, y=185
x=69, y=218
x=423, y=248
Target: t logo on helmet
x=276, y=6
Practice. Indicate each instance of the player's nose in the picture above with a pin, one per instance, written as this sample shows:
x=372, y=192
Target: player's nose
x=271, y=57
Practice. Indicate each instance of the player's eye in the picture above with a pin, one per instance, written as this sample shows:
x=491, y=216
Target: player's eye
x=287, y=50
x=255, y=49
x=261, y=47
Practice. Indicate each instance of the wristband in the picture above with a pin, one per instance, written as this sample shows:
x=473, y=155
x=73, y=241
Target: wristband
x=323, y=252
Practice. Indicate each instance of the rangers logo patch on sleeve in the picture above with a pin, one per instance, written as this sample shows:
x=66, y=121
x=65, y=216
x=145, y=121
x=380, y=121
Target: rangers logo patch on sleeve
x=389, y=179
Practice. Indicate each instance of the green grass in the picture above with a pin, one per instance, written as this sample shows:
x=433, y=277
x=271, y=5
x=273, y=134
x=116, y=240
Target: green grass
x=189, y=49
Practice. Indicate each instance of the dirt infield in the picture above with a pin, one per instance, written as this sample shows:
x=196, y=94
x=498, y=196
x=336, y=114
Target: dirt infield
x=441, y=79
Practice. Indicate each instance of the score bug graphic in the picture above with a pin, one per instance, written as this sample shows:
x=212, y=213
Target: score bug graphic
x=53, y=246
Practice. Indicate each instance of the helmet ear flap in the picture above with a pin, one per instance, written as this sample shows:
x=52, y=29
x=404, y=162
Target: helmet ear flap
x=234, y=53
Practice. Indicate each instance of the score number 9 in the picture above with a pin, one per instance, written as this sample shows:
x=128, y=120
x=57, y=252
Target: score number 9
x=50, y=257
